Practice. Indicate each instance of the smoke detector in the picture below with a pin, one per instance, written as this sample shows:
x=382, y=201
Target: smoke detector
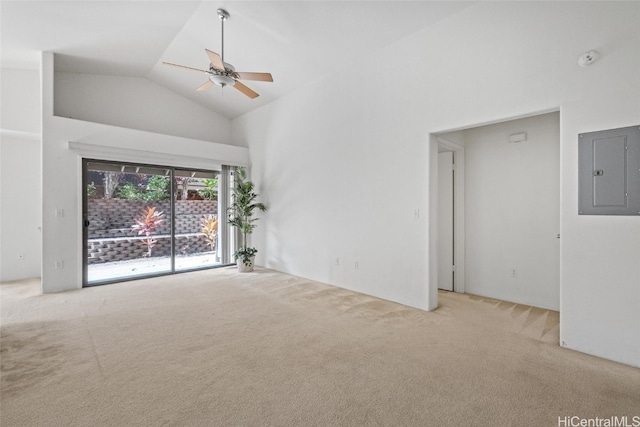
x=588, y=58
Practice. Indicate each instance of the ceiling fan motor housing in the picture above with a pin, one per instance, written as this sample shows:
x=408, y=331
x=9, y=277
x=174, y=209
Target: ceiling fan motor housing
x=222, y=78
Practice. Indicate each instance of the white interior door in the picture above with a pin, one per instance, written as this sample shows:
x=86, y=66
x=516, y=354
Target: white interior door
x=445, y=221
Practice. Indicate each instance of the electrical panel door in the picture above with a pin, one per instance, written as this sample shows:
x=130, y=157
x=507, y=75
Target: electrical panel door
x=609, y=172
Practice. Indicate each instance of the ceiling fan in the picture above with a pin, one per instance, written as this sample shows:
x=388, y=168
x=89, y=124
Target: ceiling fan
x=224, y=74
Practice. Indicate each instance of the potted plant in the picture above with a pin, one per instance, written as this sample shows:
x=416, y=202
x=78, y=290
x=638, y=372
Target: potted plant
x=241, y=215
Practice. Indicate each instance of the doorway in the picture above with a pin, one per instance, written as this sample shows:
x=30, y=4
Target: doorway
x=509, y=230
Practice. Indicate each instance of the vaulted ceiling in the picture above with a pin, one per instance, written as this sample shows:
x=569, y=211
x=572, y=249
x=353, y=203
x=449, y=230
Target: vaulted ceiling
x=296, y=41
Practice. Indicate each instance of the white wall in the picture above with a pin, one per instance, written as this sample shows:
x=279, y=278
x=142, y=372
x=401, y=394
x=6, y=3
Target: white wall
x=61, y=173
x=20, y=106
x=344, y=162
x=136, y=103
x=20, y=213
x=512, y=209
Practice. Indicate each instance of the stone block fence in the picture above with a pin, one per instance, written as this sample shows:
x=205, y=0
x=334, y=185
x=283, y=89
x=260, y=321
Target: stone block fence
x=110, y=220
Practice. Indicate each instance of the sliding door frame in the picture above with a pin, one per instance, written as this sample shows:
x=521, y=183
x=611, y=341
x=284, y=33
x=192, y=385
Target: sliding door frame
x=223, y=192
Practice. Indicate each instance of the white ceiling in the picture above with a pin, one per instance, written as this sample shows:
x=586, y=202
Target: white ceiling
x=296, y=41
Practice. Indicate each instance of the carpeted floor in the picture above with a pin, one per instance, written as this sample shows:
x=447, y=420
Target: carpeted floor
x=218, y=348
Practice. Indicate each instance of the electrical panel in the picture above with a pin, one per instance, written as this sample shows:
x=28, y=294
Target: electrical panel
x=609, y=172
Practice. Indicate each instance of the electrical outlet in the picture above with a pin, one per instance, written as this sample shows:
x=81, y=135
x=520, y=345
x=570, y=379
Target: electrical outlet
x=59, y=265
x=356, y=265
x=416, y=213
x=337, y=261
x=59, y=213
x=514, y=273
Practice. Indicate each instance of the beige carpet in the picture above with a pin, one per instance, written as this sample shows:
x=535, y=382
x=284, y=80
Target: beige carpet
x=217, y=348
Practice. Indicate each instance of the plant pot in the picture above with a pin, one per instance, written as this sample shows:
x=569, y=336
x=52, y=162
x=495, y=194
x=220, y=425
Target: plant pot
x=244, y=268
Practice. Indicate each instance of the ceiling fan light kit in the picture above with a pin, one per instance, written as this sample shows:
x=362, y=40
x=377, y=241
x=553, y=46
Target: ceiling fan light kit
x=222, y=73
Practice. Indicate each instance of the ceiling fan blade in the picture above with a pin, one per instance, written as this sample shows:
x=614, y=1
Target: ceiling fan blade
x=206, y=85
x=262, y=77
x=184, y=66
x=215, y=59
x=242, y=88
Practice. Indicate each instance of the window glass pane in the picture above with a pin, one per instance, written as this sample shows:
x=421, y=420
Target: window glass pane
x=128, y=224
x=197, y=236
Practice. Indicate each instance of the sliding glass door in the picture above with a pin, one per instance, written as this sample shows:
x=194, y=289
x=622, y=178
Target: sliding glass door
x=145, y=220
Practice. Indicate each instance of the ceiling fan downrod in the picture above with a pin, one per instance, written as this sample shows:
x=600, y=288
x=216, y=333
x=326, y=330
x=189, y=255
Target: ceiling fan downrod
x=223, y=15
